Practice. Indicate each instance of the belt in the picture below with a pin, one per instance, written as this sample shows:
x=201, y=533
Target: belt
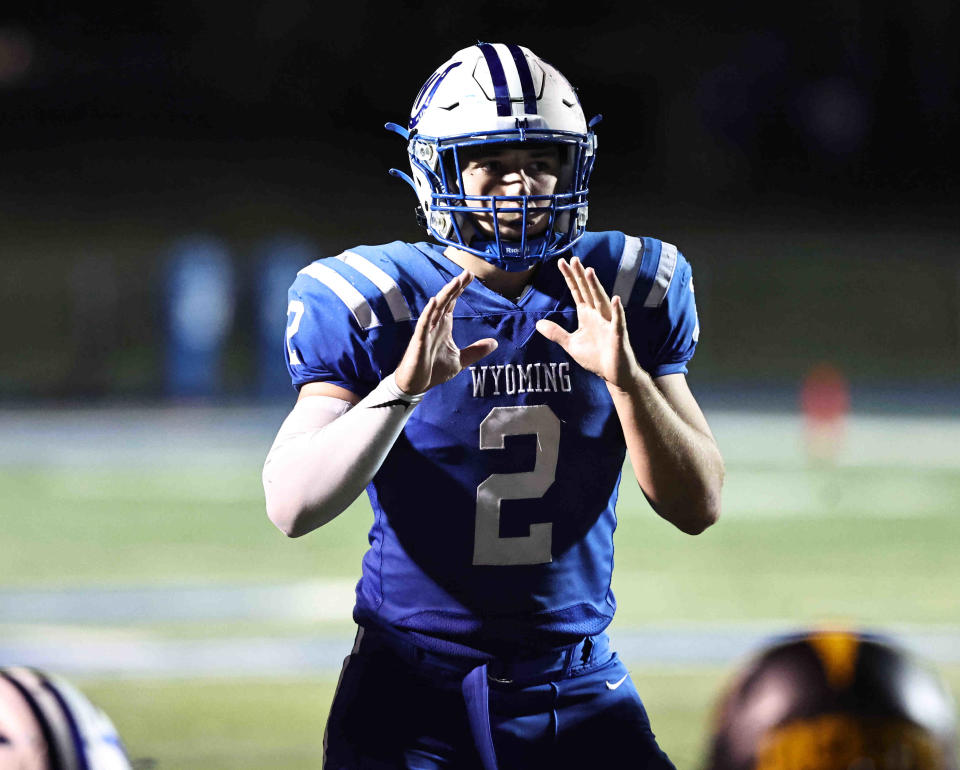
x=476, y=675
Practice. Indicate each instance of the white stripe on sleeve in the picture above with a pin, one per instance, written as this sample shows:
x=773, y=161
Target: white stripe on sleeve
x=399, y=308
x=627, y=272
x=346, y=292
x=665, y=269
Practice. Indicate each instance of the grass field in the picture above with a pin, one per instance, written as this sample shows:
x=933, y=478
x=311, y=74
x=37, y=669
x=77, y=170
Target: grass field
x=278, y=723
x=64, y=527
x=868, y=541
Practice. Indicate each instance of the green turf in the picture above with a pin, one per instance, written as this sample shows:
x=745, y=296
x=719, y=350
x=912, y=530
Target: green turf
x=839, y=552
x=135, y=526
x=278, y=723
x=838, y=564
x=866, y=546
x=213, y=724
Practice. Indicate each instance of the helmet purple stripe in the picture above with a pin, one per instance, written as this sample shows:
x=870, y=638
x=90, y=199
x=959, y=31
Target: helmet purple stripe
x=526, y=79
x=500, y=88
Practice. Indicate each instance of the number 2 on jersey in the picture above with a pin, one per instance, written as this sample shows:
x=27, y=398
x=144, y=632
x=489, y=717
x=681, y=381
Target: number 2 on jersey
x=489, y=548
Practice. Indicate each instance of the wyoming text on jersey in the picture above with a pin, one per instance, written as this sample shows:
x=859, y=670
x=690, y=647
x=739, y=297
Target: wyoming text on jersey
x=536, y=377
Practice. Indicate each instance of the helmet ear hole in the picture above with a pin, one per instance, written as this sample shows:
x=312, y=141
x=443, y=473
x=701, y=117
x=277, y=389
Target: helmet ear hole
x=424, y=151
x=440, y=222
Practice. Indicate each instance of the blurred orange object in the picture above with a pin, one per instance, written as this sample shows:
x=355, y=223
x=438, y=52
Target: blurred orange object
x=825, y=401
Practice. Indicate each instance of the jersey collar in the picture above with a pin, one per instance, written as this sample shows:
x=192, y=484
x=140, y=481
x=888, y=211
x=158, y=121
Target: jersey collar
x=542, y=295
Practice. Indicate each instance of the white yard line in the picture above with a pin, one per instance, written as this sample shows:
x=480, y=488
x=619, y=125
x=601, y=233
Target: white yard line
x=99, y=631
x=83, y=653
x=311, y=601
x=214, y=437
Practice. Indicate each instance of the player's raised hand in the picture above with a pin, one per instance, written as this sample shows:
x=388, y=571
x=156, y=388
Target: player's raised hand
x=600, y=344
x=432, y=357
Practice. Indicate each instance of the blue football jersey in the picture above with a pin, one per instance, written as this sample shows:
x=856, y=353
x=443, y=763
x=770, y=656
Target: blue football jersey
x=494, y=510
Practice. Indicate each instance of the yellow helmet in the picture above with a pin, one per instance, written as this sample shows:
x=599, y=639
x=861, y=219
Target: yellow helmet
x=834, y=700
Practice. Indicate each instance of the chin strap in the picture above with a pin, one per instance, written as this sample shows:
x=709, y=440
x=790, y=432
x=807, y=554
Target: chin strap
x=507, y=254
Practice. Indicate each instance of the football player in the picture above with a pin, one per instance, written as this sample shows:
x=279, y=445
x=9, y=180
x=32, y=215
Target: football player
x=834, y=701
x=484, y=389
x=47, y=724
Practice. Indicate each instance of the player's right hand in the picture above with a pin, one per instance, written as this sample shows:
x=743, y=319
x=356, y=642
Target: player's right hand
x=432, y=357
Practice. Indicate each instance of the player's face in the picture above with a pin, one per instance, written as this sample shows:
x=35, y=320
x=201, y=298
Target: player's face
x=512, y=169
x=22, y=746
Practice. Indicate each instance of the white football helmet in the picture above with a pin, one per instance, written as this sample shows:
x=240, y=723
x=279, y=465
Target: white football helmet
x=494, y=93
x=46, y=722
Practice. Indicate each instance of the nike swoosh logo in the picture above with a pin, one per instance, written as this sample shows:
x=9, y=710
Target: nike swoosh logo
x=395, y=402
x=616, y=684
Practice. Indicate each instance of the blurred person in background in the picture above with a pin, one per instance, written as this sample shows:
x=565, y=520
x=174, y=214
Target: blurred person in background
x=492, y=463
x=832, y=700
x=48, y=724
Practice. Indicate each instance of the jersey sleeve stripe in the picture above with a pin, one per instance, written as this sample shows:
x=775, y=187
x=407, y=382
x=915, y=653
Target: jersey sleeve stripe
x=666, y=266
x=346, y=293
x=627, y=271
x=399, y=308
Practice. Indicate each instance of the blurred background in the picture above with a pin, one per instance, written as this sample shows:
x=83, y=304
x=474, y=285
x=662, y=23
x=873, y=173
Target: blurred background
x=169, y=166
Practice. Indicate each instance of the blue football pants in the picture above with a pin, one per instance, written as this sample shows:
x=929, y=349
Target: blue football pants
x=398, y=706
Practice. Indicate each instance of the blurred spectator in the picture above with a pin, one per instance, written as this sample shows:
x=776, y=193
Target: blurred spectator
x=199, y=314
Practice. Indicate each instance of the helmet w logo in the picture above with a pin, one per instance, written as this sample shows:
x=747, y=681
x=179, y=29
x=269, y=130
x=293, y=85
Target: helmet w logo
x=426, y=94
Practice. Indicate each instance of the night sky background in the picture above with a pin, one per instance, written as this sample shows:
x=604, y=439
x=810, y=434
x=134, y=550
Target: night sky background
x=756, y=135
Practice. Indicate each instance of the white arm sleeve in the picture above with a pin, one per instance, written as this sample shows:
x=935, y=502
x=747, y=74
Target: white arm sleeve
x=326, y=453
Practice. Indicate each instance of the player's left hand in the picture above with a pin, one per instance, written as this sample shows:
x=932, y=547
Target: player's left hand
x=600, y=344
